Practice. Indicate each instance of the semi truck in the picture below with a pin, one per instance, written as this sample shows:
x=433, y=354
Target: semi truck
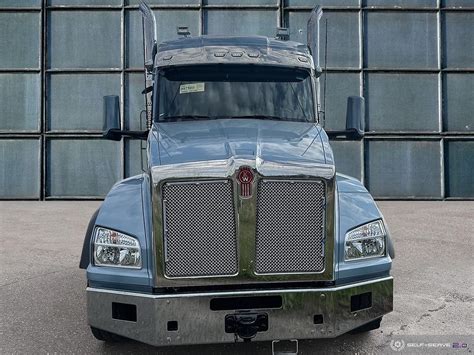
x=240, y=228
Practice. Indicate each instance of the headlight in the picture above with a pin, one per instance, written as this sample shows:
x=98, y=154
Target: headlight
x=112, y=248
x=366, y=241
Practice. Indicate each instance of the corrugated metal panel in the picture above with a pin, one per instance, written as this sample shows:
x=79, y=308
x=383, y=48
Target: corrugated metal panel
x=404, y=168
x=20, y=168
x=81, y=167
x=402, y=102
x=460, y=160
x=20, y=39
x=20, y=102
x=67, y=92
x=411, y=59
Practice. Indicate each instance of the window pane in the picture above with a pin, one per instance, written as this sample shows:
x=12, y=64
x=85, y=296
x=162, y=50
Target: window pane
x=402, y=102
x=354, y=3
x=20, y=102
x=401, y=40
x=84, y=39
x=403, y=168
x=458, y=39
x=240, y=2
x=19, y=168
x=347, y=155
x=20, y=33
x=459, y=102
x=460, y=160
x=165, y=2
x=134, y=101
x=85, y=2
x=76, y=100
x=22, y=3
x=236, y=91
x=457, y=3
x=339, y=87
x=240, y=23
x=402, y=3
x=343, y=37
x=82, y=167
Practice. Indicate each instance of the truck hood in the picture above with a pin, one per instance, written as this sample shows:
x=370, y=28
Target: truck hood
x=191, y=141
x=278, y=142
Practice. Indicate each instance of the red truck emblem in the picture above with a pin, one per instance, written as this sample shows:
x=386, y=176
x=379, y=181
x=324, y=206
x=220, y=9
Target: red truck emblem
x=245, y=179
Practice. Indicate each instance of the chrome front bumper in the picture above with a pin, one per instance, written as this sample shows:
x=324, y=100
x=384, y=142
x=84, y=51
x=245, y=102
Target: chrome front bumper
x=197, y=324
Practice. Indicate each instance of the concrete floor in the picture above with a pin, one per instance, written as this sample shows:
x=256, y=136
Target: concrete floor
x=42, y=297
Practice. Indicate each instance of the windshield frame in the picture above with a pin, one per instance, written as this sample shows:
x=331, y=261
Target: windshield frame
x=313, y=87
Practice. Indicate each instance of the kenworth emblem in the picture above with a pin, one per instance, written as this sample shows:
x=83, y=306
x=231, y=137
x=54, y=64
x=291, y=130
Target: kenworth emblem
x=245, y=179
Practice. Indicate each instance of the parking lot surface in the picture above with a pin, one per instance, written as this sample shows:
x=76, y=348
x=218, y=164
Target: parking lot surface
x=42, y=290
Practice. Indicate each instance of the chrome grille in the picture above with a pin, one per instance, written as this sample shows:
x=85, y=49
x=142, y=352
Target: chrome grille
x=199, y=229
x=290, y=227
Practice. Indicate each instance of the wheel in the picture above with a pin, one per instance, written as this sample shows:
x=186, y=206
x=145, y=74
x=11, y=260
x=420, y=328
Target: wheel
x=106, y=336
x=375, y=324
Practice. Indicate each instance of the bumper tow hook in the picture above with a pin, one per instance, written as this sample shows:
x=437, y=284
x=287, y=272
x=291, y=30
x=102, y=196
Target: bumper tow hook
x=246, y=325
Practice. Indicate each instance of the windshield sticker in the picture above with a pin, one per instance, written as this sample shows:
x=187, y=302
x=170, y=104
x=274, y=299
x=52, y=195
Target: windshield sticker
x=187, y=88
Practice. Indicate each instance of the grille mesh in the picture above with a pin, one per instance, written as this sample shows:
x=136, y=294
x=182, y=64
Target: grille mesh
x=290, y=232
x=200, y=229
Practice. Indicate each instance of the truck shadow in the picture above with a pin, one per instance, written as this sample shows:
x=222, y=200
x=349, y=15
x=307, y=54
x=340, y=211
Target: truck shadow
x=360, y=343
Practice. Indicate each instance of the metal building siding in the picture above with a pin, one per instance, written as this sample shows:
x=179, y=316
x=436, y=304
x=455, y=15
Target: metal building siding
x=413, y=60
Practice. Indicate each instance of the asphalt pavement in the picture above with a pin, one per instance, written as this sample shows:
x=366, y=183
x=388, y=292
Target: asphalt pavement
x=42, y=290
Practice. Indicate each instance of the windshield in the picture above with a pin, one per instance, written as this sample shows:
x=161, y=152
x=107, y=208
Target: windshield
x=235, y=91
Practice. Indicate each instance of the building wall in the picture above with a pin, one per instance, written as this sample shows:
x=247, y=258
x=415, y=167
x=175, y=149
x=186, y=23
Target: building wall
x=413, y=61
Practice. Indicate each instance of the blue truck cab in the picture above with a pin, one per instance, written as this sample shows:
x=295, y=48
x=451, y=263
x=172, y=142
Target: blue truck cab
x=239, y=228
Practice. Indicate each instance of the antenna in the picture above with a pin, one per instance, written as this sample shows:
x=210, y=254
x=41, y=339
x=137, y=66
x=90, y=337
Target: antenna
x=325, y=71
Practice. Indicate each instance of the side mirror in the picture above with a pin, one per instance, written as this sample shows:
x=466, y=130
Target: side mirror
x=111, y=128
x=355, y=116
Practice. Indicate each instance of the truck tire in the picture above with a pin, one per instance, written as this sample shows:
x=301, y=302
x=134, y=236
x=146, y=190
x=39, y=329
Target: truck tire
x=375, y=324
x=106, y=336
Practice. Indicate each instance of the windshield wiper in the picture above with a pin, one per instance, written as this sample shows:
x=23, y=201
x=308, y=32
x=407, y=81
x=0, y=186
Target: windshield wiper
x=186, y=117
